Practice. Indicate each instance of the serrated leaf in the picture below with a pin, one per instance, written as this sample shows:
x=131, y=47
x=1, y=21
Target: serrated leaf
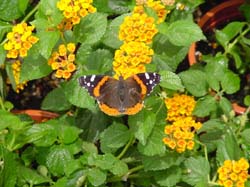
x=110, y=37
x=89, y=147
x=198, y=170
x=34, y=66
x=10, y=10
x=204, y=106
x=31, y=176
x=41, y=135
x=154, y=145
x=8, y=173
x=185, y=32
x=195, y=82
x=78, y=96
x=225, y=105
x=100, y=61
x=230, y=82
x=142, y=125
x=57, y=159
x=96, y=176
x=114, y=137
x=228, y=32
x=155, y=163
x=47, y=41
x=91, y=28
x=11, y=121
x=168, y=177
x=228, y=148
x=56, y=100
x=211, y=130
x=68, y=134
x=119, y=168
x=170, y=80
x=104, y=162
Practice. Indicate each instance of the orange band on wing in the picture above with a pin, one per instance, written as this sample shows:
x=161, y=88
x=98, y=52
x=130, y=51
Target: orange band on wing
x=96, y=91
x=135, y=109
x=108, y=110
x=143, y=87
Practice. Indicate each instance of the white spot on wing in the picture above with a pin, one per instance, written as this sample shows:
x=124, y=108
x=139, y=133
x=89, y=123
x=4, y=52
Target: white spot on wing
x=92, y=78
x=147, y=75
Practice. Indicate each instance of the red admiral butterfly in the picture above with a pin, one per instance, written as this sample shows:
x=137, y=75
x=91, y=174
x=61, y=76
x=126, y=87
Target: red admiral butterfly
x=121, y=96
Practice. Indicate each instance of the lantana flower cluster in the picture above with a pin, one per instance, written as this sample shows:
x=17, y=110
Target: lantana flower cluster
x=181, y=131
x=73, y=11
x=63, y=61
x=233, y=173
x=16, y=68
x=20, y=40
x=137, y=32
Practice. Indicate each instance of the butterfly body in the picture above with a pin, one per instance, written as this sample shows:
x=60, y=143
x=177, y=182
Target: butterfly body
x=121, y=96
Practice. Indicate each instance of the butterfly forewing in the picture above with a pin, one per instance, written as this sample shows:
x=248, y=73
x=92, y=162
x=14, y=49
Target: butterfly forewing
x=150, y=80
x=89, y=82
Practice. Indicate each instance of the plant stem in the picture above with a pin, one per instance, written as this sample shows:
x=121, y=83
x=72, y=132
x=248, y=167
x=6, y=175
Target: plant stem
x=1, y=104
x=131, y=140
x=30, y=13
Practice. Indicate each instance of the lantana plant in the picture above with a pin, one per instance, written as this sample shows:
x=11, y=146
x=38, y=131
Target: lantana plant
x=171, y=141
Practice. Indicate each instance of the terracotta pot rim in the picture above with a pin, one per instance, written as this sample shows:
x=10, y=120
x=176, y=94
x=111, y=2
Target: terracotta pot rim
x=37, y=115
x=209, y=16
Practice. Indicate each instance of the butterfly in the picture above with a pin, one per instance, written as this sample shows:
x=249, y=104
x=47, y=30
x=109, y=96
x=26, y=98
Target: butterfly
x=123, y=96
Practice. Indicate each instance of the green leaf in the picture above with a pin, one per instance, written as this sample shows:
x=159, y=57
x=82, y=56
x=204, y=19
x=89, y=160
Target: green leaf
x=48, y=9
x=110, y=38
x=211, y=130
x=195, y=82
x=34, y=66
x=72, y=167
x=92, y=123
x=142, y=125
x=167, y=55
x=96, y=176
x=78, y=96
x=154, y=145
x=247, y=100
x=89, y=147
x=228, y=148
x=184, y=33
x=119, y=168
x=57, y=160
x=47, y=41
x=198, y=170
x=99, y=60
x=204, y=106
x=4, y=28
x=114, y=137
x=168, y=177
x=104, y=162
x=91, y=28
x=225, y=105
x=8, y=171
x=41, y=135
x=228, y=32
x=245, y=136
x=56, y=101
x=31, y=176
x=154, y=163
x=170, y=80
x=11, y=9
x=113, y=7
x=237, y=58
x=9, y=120
x=68, y=134
x=230, y=82
x=2, y=55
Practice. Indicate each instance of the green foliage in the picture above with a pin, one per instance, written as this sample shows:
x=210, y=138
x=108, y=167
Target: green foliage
x=85, y=147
